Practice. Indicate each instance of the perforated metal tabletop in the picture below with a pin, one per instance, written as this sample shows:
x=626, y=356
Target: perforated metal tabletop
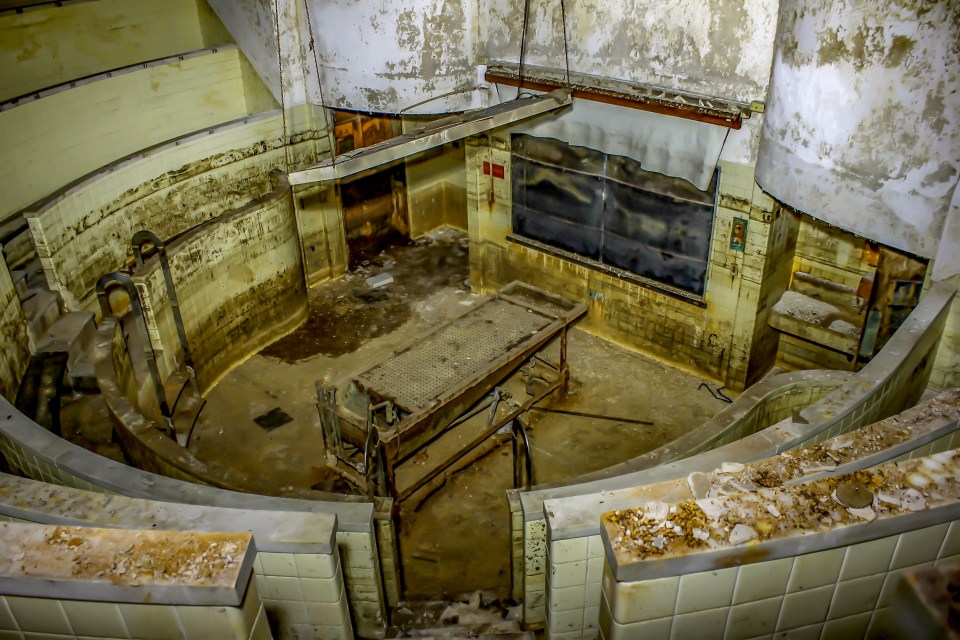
x=457, y=352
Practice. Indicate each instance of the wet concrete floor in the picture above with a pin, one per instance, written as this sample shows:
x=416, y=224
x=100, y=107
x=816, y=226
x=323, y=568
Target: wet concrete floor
x=458, y=540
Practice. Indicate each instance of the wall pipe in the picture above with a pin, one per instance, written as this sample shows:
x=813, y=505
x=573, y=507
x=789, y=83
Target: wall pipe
x=139, y=239
x=123, y=280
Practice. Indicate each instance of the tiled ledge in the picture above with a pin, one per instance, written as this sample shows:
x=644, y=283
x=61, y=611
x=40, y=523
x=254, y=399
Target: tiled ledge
x=275, y=531
x=864, y=398
x=156, y=567
x=880, y=442
x=663, y=539
x=38, y=208
x=36, y=453
x=42, y=455
x=104, y=75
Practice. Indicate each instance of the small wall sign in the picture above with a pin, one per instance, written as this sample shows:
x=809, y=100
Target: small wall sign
x=738, y=234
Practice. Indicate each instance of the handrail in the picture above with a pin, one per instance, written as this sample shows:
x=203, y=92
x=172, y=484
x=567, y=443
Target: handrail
x=139, y=239
x=124, y=281
x=517, y=426
x=371, y=447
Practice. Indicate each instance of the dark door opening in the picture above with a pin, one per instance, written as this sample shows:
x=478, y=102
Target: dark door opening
x=375, y=213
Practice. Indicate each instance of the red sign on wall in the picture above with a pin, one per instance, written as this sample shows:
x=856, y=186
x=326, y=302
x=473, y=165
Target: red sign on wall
x=498, y=170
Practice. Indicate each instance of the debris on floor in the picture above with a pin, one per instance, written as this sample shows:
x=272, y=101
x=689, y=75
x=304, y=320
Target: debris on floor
x=379, y=280
x=273, y=419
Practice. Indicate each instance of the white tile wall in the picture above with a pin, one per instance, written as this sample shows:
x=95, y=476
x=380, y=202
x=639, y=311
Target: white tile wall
x=707, y=590
x=305, y=592
x=35, y=618
x=836, y=593
x=805, y=607
x=752, y=619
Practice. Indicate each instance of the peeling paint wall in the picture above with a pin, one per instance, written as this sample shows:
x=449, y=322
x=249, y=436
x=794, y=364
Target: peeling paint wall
x=719, y=48
x=436, y=189
x=946, y=367
x=425, y=56
x=14, y=353
x=388, y=57
x=50, y=45
x=947, y=262
x=320, y=220
x=862, y=122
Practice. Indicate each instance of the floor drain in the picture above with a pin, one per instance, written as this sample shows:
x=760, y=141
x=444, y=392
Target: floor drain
x=272, y=419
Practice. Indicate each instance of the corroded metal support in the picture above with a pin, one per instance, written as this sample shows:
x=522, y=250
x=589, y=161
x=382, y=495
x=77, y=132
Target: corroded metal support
x=373, y=458
x=329, y=421
x=141, y=238
x=519, y=431
x=632, y=95
x=123, y=280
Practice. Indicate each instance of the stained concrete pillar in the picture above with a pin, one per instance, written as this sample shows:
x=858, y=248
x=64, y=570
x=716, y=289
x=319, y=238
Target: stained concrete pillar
x=416, y=56
x=862, y=125
x=253, y=24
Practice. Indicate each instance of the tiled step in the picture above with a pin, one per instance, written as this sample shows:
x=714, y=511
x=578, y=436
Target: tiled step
x=83, y=375
x=41, y=310
x=72, y=333
x=40, y=389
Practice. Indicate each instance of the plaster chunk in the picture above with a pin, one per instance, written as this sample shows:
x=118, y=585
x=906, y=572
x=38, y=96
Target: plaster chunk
x=742, y=533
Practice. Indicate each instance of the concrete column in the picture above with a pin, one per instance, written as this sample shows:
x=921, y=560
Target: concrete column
x=862, y=124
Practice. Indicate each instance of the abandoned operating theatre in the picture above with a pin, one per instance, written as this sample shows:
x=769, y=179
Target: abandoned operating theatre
x=479, y=319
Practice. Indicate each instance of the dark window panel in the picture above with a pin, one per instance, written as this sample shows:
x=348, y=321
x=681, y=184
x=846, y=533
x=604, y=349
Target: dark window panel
x=563, y=234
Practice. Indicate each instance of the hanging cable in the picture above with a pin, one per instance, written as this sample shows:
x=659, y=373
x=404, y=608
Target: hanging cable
x=523, y=47
x=326, y=112
x=283, y=108
x=566, y=52
x=331, y=140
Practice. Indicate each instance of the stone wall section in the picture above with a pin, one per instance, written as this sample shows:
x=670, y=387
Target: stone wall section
x=14, y=352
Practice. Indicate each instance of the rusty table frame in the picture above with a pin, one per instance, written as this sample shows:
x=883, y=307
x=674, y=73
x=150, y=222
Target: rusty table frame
x=394, y=429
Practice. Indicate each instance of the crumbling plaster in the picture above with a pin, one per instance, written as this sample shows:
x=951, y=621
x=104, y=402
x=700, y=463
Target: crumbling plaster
x=426, y=56
x=380, y=56
x=718, y=48
x=862, y=124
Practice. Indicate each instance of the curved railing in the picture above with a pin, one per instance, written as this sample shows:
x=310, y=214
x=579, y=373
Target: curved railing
x=307, y=539
x=168, y=189
x=45, y=152
x=239, y=282
x=893, y=380
x=822, y=558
